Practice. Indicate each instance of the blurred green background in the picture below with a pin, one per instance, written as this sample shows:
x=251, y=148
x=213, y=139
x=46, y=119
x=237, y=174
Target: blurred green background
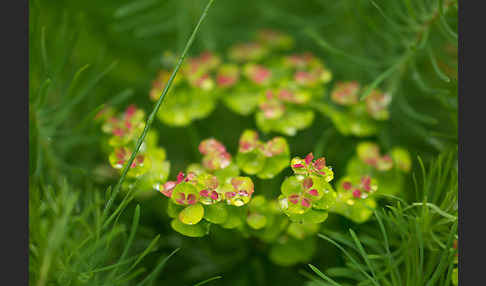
x=123, y=43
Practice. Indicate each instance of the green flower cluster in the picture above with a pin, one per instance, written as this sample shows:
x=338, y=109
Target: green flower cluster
x=255, y=78
x=281, y=89
x=367, y=170
x=307, y=195
x=150, y=168
x=352, y=116
x=213, y=192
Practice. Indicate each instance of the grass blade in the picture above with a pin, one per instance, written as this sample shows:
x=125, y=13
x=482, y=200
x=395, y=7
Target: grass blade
x=358, y=266
x=155, y=110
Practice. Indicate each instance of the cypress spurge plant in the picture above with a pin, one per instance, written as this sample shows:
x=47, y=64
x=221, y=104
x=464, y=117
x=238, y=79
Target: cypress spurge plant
x=417, y=243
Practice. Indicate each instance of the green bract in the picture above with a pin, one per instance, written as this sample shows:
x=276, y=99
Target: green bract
x=192, y=214
x=198, y=230
x=265, y=159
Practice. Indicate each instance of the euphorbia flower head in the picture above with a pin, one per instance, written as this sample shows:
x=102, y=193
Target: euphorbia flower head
x=345, y=93
x=128, y=125
x=271, y=106
x=264, y=159
x=170, y=185
x=295, y=97
x=360, y=187
x=258, y=74
x=308, y=166
x=227, y=76
x=239, y=192
x=312, y=77
x=274, y=147
x=123, y=154
x=120, y=156
x=377, y=104
x=185, y=193
x=248, y=141
x=207, y=185
x=215, y=153
x=159, y=83
x=369, y=153
x=300, y=61
x=197, y=70
x=295, y=203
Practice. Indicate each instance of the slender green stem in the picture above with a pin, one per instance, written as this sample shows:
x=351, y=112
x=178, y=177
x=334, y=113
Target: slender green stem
x=155, y=110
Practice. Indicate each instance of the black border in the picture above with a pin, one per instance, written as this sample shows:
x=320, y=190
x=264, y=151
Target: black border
x=14, y=207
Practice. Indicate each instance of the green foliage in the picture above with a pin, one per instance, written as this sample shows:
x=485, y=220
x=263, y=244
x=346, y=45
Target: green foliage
x=89, y=61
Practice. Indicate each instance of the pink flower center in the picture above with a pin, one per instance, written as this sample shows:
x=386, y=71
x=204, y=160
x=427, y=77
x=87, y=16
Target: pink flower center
x=347, y=186
x=305, y=202
x=309, y=158
x=313, y=192
x=307, y=183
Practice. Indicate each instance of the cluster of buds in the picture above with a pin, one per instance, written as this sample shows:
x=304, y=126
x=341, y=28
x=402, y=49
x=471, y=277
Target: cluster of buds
x=367, y=170
x=197, y=70
x=240, y=191
x=149, y=167
x=345, y=93
x=356, y=117
x=228, y=75
x=265, y=159
x=369, y=153
x=197, y=196
x=215, y=155
x=308, y=190
x=288, y=87
x=376, y=103
x=273, y=104
x=120, y=156
x=124, y=128
x=362, y=190
x=355, y=198
x=257, y=74
x=308, y=166
x=308, y=71
x=278, y=89
x=193, y=88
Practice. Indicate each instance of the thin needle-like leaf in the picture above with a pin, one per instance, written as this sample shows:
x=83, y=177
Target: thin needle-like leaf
x=208, y=280
x=323, y=276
